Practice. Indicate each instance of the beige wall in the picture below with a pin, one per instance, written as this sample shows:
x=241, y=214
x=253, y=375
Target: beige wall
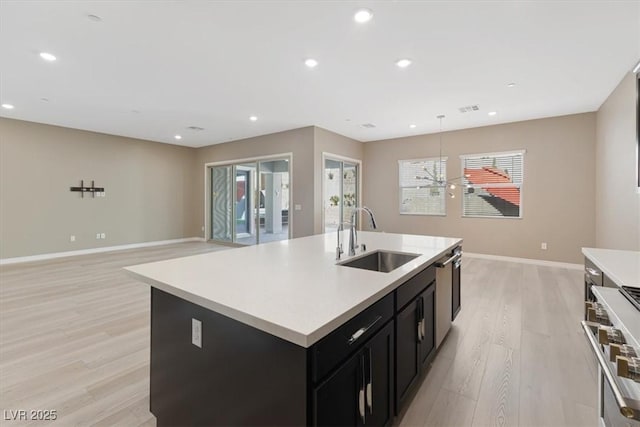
x=330, y=142
x=617, y=201
x=149, y=191
x=299, y=142
x=558, y=192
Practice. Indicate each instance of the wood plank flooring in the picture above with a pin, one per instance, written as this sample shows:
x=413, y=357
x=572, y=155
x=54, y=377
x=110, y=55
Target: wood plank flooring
x=74, y=337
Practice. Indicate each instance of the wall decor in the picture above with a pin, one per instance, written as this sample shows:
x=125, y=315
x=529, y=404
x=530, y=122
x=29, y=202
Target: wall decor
x=82, y=189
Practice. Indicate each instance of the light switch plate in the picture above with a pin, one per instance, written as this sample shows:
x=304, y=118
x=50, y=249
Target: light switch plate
x=298, y=207
x=196, y=332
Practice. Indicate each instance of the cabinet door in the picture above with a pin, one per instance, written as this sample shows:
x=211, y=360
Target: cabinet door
x=378, y=358
x=360, y=392
x=336, y=400
x=407, y=339
x=427, y=303
x=455, y=290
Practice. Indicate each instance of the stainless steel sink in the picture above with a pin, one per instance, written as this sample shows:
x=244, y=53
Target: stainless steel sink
x=383, y=261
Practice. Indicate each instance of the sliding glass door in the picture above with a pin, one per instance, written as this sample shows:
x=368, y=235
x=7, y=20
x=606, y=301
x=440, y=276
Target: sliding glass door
x=250, y=202
x=341, y=191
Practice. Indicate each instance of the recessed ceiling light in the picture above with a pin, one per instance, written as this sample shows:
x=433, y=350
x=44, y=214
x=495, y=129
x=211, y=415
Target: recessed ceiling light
x=178, y=137
x=94, y=18
x=412, y=126
x=47, y=56
x=492, y=113
x=8, y=106
x=363, y=15
x=253, y=118
x=311, y=63
x=403, y=63
x=511, y=85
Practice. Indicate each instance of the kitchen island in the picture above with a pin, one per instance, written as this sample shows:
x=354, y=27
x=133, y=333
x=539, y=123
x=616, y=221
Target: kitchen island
x=275, y=333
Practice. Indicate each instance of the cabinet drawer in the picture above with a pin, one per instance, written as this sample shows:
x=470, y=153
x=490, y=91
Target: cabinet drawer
x=414, y=286
x=345, y=340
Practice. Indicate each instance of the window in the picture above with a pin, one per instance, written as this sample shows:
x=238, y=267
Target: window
x=420, y=194
x=493, y=185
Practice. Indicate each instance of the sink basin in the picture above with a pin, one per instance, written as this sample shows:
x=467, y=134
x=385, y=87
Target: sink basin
x=383, y=261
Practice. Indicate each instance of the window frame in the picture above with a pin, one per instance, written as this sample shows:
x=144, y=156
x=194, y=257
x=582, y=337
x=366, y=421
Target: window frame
x=400, y=186
x=464, y=157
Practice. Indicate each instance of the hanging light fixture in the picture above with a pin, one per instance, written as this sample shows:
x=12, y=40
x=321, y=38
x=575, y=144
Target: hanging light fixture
x=438, y=179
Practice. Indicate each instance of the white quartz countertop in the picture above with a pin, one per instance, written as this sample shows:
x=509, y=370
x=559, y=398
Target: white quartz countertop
x=292, y=289
x=623, y=267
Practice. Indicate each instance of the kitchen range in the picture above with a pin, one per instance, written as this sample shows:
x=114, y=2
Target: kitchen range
x=612, y=329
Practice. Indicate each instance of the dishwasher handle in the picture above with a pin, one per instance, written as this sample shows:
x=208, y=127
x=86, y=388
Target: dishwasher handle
x=442, y=264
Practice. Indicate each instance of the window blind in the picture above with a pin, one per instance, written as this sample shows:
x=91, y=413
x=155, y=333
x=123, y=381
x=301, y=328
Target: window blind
x=493, y=185
x=420, y=194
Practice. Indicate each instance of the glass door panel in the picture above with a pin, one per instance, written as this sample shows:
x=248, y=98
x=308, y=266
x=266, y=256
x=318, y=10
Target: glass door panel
x=221, y=206
x=273, y=201
x=349, y=190
x=245, y=232
x=340, y=196
x=332, y=198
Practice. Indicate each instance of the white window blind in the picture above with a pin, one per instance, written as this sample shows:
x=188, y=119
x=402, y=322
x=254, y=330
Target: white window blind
x=493, y=185
x=420, y=194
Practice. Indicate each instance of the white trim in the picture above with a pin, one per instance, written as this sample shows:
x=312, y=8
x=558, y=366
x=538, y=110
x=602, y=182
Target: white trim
x=495, y=154
x=53, y=255
x=526, y=261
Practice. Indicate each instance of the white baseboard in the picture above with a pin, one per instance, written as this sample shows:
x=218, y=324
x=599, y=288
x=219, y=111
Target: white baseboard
x=42, y=257
x=526, y=261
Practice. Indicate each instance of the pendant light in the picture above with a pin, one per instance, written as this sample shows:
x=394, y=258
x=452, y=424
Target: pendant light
x=439, y=180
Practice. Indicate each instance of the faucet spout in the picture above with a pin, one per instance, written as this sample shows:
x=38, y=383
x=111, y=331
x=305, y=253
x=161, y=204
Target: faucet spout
x=353, y=235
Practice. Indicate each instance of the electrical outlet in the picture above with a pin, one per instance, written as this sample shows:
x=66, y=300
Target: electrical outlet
x=72, y=238
x=202, y=229
x=103, y=235
x=543, y=246
x=196, y=332
x=98, y=236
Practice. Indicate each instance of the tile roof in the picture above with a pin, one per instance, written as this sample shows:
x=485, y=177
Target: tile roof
x=492, y=175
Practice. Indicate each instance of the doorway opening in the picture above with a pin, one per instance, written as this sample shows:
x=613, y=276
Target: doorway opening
x=249, y=201
x=341, y=190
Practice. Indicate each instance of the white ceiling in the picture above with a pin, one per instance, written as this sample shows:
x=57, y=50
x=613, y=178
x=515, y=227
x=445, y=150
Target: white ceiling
x=151, y=69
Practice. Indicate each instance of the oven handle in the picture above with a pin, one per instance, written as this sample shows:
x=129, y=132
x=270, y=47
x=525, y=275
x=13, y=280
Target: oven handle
x=627, y=410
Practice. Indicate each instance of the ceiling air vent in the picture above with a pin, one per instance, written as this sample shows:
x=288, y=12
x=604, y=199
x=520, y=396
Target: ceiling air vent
x=368, y=125
x=469, y=108
x=195, y=128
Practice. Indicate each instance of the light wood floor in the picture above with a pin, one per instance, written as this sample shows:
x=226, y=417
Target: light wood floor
x=74, y=337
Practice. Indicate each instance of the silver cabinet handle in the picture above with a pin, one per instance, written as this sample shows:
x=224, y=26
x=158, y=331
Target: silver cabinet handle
x=361, y=392
x=591, y=271
x=420, y=330
x=370, y=383
x=448, y=261
x=629, y=409
x=361, y=404
x=357, y=334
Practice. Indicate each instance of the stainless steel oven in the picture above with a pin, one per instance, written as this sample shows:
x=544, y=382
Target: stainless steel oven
x=617, y=353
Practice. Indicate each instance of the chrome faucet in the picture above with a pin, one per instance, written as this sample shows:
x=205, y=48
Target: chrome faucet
x=353, y=235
